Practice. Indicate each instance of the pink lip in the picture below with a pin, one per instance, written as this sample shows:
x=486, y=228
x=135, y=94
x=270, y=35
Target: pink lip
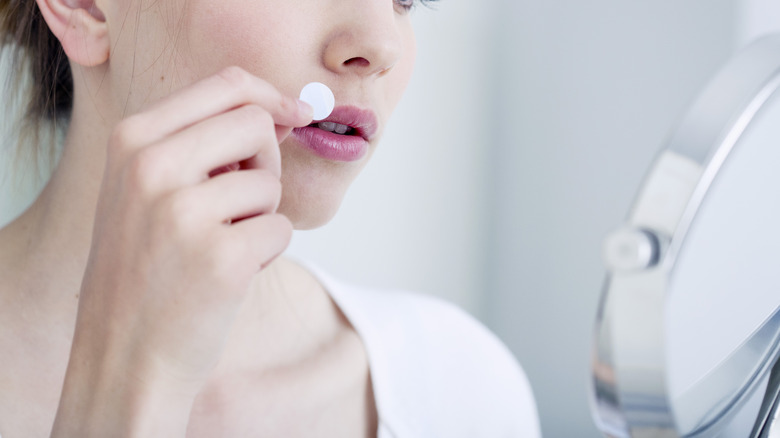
x=336, y=147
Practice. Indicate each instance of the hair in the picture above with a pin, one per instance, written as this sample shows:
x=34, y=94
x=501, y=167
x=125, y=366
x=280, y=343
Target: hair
x=40, y=78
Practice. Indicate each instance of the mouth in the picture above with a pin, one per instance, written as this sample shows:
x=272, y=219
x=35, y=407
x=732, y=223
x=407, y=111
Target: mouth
x=336, y=128
x=349, y=121
x=345, y=135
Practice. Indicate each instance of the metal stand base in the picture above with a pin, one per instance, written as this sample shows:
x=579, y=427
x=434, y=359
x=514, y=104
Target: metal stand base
x=768, y=424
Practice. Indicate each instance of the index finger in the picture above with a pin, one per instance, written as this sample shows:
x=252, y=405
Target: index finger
x=230, y=88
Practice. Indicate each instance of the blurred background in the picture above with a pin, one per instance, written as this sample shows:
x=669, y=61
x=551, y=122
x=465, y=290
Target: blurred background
x=521, y=141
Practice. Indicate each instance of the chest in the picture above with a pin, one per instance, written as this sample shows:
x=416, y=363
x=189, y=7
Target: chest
x=323, y=398
x=274, y=414
x=256, y=410
x=30, y=386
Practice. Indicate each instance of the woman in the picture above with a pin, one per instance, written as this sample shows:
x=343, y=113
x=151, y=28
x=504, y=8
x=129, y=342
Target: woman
x=142, y=293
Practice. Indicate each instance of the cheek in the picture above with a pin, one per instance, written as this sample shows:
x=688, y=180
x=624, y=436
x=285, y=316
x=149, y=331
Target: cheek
x=140, y=39
x=403, y=70
x=257, y=36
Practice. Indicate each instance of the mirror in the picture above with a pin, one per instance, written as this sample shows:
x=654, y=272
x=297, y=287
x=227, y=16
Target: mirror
x=687, y=337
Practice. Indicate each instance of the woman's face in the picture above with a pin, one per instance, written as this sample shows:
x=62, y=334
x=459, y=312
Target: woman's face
x=362, y=49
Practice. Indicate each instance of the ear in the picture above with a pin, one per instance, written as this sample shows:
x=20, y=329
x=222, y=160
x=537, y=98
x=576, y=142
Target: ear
x=80, y=26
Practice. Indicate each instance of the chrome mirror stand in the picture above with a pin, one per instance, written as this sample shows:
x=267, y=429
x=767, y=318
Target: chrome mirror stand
x=635, y=391
x=767, y=422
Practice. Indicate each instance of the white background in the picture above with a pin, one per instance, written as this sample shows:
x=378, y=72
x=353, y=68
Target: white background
x=519, y=145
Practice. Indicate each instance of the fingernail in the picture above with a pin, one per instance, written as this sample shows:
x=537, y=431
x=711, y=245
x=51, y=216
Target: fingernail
x=305, y=108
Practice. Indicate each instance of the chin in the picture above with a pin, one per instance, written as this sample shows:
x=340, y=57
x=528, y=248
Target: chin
x=313, y=189
x=311, y=198
x=308, y=212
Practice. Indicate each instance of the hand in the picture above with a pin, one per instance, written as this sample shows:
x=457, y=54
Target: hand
x=174, y=250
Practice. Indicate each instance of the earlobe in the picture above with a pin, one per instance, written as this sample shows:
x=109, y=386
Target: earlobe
x=80, y=27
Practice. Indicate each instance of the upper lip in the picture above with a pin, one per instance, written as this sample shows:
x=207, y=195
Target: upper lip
x=363, y=121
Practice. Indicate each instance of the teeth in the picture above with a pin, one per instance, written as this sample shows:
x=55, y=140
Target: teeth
x=327, y=126
x=334, y=127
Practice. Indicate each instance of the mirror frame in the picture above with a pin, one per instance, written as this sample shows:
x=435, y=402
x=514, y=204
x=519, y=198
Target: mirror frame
x=629, y=392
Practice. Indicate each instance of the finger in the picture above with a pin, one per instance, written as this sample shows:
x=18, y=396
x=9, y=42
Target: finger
x=228, y=89
x=265, y=237
x=238, y=195
x=246, y=133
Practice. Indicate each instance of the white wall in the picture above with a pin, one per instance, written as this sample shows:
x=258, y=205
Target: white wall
x=757, y=17
x=588, y=92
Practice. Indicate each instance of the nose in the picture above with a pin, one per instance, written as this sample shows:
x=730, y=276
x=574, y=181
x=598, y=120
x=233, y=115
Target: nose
x=365, y=39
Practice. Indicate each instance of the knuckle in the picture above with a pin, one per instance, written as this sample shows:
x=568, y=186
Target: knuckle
x=266, y=120
x=273, y=186
x=286, y=105
x=279, y=231
x=252, y=117
x=267, y=131
x=252, y=113
x=265, y=179
x=254, y=122
x=260, y=118
x=272, y=182
x=269, y=193
x=235, y=77
x=142, y=169
x=284, y=229
x=125, y=134
x=179, y=211
x=257, y=124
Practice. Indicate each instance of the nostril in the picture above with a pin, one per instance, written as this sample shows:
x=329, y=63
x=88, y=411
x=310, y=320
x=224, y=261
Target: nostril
x=357, y=62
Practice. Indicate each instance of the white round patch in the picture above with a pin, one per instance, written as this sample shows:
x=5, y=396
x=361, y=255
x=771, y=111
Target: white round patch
x=320, y=97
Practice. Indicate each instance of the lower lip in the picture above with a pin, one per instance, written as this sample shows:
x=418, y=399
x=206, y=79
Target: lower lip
x=330, y=145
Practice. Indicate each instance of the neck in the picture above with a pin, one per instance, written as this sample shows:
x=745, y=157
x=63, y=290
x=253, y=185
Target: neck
x=51, y=239
x=46, y=248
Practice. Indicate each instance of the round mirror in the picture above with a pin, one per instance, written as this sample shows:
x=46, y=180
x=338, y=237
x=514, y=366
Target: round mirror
x=688, y=333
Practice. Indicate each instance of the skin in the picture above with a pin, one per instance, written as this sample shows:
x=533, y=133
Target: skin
x=130, y=303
